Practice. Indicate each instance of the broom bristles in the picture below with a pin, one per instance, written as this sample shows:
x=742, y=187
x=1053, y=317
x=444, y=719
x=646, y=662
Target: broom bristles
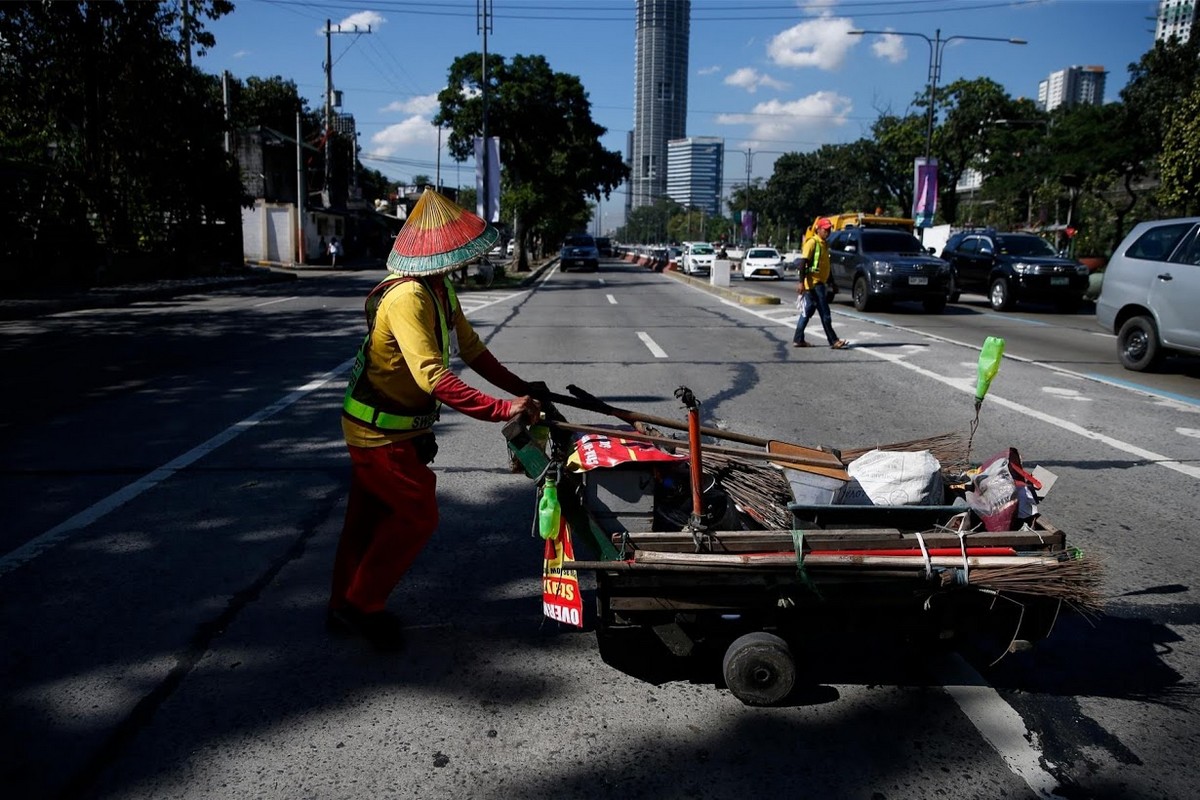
x=1076, y=581
x=950, y=449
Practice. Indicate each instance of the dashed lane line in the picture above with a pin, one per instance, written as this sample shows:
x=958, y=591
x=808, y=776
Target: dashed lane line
x=655, y=350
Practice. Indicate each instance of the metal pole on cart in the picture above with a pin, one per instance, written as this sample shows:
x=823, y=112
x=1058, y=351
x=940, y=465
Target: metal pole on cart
x=684, y=395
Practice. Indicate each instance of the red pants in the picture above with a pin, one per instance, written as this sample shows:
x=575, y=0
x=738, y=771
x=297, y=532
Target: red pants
x=391, y=513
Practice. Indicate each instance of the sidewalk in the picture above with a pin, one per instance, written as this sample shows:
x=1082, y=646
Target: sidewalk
x=49, y=301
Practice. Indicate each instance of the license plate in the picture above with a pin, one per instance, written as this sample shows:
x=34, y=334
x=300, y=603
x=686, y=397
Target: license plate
x=918, y=281
x=1060, y=281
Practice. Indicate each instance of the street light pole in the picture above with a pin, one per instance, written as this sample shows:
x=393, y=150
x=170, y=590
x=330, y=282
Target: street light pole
x=936, y=47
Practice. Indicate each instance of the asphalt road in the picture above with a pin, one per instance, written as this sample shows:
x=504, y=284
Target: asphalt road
x=174, y=482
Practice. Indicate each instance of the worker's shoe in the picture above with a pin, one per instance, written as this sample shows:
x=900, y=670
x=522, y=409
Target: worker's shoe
x=383, y=630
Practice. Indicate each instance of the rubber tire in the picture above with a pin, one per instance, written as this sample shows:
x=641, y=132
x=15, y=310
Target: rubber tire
x=954, y=292
x=862, y=296
x=759, y=669
x=934, y=305
x=1138, y=347
x=999, y=296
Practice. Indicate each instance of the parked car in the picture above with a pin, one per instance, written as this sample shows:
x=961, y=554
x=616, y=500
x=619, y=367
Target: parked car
x=579, y=250
x=1151, y=293
x=698, y=258
x=1011, y=267
x=604, y=246
x=762, y=262
x=510, y=247
x=881, y=265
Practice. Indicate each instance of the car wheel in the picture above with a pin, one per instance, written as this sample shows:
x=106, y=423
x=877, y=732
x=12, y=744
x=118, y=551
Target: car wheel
x=1137, y=344
x=954, y=292
x=999, y=295
x=934, y=305
x=862, y=295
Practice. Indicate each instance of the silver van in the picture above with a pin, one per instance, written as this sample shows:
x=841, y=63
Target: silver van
x=1150, y=297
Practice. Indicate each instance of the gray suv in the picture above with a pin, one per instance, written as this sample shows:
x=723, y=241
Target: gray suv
x=579, y=250
x=1150, y=297
x=879, y=265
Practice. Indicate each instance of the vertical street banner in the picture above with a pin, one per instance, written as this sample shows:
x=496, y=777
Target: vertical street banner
x=491, y=180
x=748, y=224
x=561, y=600
x=925, y=191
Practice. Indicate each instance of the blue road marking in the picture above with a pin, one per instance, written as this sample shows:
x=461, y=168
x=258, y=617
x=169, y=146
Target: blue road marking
x=1179, y=398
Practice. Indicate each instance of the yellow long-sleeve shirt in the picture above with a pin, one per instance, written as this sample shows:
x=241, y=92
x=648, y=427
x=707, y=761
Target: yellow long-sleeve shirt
x=405, y=361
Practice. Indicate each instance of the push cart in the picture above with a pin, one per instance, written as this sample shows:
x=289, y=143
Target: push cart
x=704, y=585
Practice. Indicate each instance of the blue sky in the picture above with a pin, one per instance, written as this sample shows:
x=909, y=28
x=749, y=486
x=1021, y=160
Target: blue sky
x=769, y=76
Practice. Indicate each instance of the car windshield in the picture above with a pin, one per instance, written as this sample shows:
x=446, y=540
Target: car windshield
x=890, y=242
x=762, y=254
x=1024, y=246
x=578, y=241
x=702, y=249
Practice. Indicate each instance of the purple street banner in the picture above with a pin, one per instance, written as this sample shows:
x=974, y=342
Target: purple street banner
x=748, y=224
x=925, y=191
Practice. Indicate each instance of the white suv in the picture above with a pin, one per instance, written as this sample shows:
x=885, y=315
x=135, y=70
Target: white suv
x=1151, y=291
x=698, y=258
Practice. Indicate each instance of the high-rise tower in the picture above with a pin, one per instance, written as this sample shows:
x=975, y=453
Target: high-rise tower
x=660, y=95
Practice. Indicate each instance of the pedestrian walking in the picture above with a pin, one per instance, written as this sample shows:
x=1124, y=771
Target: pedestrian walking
x=400, y=379
x=813, y=287
x=335, y=250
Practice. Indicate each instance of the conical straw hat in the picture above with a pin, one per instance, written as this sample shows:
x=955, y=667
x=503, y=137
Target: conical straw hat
x=438, y=237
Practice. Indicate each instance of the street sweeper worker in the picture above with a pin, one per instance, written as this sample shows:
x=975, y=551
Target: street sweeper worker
x=400, y=379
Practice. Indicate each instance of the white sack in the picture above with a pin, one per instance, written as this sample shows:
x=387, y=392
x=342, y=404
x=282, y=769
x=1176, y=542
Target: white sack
x=890, y=478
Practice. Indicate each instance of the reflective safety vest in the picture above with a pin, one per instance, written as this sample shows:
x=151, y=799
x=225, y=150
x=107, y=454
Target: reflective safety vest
x=366, y=404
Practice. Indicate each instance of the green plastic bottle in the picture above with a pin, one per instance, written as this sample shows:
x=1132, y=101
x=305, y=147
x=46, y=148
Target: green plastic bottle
x=549, y=511
x=989, y=364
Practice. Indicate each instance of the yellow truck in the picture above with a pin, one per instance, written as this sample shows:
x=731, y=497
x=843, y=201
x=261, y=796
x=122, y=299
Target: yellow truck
x=859, y=219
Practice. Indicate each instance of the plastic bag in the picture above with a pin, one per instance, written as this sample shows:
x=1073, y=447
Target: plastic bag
x=895, y=478
x=804, y=303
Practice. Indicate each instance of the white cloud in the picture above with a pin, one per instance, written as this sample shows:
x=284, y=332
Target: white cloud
x=415, y=132
x=890, y=48
x=425, y=105
x=709, y=70
x=821, y=43
x=750, y=79
x=362, y=19
x=780, y=123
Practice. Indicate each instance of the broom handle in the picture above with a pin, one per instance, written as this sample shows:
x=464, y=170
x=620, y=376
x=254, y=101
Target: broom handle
x=590, y=403
x=760, y=455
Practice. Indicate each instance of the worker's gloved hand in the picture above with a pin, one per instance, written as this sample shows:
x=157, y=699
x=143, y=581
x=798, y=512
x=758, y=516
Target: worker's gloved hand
x=529, y=409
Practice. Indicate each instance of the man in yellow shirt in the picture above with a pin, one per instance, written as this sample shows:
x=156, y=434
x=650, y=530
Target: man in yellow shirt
x=399, y=381
x=814, y=280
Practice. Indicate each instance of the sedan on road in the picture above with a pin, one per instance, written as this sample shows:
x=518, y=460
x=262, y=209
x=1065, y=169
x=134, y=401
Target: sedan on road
x=762, y=262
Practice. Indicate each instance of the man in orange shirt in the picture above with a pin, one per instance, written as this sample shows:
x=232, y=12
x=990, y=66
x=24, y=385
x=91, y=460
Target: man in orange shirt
x=399, y=381
x=814, y=280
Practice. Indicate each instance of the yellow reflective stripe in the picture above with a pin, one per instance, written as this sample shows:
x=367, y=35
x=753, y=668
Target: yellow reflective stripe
x=385, y=421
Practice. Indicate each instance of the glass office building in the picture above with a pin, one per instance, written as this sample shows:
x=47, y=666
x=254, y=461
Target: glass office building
x=660, y=95
x=695, y=170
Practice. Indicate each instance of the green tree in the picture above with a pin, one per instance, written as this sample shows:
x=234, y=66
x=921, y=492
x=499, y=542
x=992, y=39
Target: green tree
x=550, y=148
x=122, y=135
x=1180, y=162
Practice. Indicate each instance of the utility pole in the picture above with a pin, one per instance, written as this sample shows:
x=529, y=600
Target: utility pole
x=225, y=103
x=329, y=105
x=483, y=10
x=300, y=197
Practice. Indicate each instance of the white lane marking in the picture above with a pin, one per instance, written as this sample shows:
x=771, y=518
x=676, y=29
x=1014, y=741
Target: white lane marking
x=1000, y=725
x=40, y=544
x=273, y=302
x=655, y=350
x=1066, y=394
x=957, y=383
x=1194, y=433
x=611, y=299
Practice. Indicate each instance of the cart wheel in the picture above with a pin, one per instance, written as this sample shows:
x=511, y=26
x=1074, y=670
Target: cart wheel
x=759, y=669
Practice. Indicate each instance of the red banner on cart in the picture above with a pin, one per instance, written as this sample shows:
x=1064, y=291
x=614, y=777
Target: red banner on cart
x=561, y=600
x=595, y=450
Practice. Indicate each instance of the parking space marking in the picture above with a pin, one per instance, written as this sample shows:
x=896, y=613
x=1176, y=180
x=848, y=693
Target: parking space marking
x=655, y=350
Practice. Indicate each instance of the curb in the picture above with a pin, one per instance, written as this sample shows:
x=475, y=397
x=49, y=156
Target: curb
x=744, y=297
